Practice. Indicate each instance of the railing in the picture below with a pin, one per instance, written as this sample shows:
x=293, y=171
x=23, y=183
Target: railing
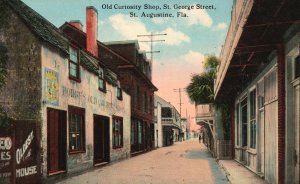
x=224, y=149
x=204, y=110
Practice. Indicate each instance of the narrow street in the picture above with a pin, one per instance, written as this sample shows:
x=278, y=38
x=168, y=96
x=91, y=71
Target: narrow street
x=185, y=162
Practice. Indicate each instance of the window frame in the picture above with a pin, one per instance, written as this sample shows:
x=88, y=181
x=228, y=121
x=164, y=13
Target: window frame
x=253, y=119
x=81, y=112
x=120, y=133
x=119, y=91
x=296, y=70
x=77, y=77
x=144, y=108
x=101, y=77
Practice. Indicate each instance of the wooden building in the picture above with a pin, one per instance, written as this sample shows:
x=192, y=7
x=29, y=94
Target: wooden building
x=259, y=77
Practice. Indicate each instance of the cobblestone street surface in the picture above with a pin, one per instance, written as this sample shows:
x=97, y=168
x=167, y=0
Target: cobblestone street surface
x=185, y=162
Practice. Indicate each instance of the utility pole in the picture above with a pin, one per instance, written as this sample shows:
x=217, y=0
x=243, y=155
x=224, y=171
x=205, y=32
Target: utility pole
x=179, y=90
x=151, y=44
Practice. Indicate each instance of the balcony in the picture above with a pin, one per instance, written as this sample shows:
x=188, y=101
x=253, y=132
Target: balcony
x=204, y=112
x=170, y=122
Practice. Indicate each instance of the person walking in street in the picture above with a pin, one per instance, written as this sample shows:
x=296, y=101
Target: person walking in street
x=200, y=138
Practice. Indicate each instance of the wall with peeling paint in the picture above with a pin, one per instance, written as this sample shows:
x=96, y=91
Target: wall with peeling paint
x=84, y=94
x=21, y=95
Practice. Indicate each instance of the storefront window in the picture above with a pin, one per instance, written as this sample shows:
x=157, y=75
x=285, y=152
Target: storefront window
x=253, y=119
x=244, y=122
x=117, y=132
x=76, y=129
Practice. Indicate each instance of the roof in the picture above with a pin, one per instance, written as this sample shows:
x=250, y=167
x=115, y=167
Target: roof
x=49, y=33
x=111, y=58
x=255, y=31
x=39, y=25
x=135, y=42
x=163, y=102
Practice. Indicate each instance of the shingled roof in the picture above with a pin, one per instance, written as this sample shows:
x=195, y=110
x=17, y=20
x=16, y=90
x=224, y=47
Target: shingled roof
x=39, y=25
x=49, y=33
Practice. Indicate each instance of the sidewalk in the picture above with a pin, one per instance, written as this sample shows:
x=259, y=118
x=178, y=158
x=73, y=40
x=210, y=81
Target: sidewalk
x=236, y=173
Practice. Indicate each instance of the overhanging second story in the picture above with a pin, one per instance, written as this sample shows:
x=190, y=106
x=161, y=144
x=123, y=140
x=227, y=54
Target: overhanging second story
x=256, y=31
x=204, y=112
x=169, y=116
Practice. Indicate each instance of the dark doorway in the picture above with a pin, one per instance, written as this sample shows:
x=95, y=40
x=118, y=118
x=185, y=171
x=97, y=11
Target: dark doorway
x=56, y=141
x=101, y=139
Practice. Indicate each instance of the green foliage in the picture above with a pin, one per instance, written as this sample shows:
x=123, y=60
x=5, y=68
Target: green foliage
x=200, y=90
x=210, y=65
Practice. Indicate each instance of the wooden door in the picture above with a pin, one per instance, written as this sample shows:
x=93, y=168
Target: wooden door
x=101, y=139
x=56, y=140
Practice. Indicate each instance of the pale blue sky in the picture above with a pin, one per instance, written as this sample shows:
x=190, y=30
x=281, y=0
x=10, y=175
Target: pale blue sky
x=188, y=40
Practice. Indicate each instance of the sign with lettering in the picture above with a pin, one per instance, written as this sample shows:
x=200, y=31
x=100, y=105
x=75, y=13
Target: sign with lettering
x=6, y=152
x=51, y=84
x=27, y=153
x=20, y=153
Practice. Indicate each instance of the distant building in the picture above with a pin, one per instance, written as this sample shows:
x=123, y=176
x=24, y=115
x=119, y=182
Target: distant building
x=205, y=117
x=170, y=121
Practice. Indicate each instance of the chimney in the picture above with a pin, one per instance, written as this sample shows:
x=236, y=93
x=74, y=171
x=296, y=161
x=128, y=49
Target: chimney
x=91, y=30
x=77, y=24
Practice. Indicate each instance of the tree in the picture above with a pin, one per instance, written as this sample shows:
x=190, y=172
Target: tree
x=201, y=88
x=201, y=91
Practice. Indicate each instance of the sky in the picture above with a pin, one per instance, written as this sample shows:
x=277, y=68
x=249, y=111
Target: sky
x=189, y=39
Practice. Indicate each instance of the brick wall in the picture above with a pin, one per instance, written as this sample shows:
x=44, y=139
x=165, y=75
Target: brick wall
x=129, y=81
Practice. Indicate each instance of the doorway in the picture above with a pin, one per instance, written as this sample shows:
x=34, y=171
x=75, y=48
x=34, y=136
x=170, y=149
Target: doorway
x=101, y=140
x=56, y=147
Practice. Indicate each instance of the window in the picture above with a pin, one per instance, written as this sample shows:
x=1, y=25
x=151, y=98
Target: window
x=253, y=119
x=73, y=63
x=166, y=112
x=244, y=122
x=137, y=97
x=144, y=102
x=149, y=104
x=119, y=91
x=101, y=81
x=237, y=125
x=76, y=129
x=117, y=132
x=140, y=133
x=297, y=68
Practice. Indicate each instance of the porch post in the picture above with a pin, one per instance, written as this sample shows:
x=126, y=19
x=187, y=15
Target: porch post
x=281, y=112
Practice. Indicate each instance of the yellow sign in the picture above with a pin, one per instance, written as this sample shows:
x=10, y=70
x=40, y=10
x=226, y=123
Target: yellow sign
x=51, y=79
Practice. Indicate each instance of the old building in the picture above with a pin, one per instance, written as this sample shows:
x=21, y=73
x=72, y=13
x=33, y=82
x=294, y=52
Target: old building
x=134, y=70
x=135, y=78
x=82, y=113
x=259, y=78
x=169, y=119
x=205, y=117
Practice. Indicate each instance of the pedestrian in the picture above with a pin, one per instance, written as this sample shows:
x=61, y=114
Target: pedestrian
x=200, y=138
